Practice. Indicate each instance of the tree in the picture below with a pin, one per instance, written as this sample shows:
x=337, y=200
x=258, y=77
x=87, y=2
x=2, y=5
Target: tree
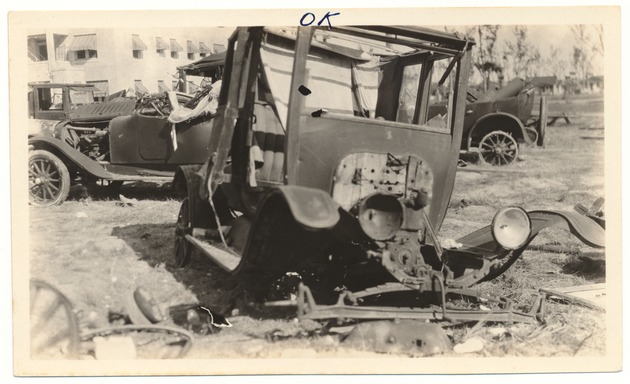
x=582, y=53
x=485, y=56
x=555, y=64
x=485, y=61
x=599, y=46
x=523, y=56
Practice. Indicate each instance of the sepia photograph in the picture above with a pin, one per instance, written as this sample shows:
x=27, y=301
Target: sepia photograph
x=419, y=190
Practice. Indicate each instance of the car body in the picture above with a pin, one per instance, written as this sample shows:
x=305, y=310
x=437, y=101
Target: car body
x=312, y=177
x=112, y=142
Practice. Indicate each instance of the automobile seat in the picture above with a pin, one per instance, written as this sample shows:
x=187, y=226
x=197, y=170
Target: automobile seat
x=269, y=139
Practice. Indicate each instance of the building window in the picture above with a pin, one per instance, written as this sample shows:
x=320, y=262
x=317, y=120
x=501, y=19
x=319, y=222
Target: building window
x=86, y=54
x=175, y=49
x=204, y=50
x=137, y=46
x=139, y=88
x=191, y=49
x=160, y=46
x=61, y=47
x=84, y=47
x=37, y=48
x=162, y=86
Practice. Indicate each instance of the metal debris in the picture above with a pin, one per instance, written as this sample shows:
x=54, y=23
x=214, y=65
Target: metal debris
x=399, y=336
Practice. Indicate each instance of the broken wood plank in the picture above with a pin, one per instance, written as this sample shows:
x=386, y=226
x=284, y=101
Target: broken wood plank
x=591, y=295
x=489, y=170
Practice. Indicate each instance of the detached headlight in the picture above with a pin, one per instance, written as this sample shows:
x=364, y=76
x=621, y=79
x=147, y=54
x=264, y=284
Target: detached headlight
x=511, y=227
x=380, y=216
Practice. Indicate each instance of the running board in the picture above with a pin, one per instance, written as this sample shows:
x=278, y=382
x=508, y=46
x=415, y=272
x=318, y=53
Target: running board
x=228, y=260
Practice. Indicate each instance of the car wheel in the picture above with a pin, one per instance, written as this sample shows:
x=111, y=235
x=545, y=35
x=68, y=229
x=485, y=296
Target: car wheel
x=48, y=179
x=54, y=325
x=498, y=148
x=182, y=246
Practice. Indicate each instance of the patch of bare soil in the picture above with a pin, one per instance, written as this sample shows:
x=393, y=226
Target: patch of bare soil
x=98, y=251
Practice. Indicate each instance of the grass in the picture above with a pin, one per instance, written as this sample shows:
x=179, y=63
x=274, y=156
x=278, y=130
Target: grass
x=98, y=260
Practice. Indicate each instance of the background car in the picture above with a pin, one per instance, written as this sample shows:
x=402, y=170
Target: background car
x=112, y=142
x=497, y=123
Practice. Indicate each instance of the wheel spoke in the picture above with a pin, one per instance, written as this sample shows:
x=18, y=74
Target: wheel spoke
x=52, y=340
x=54, y=187
x=50, y=192
x=38, y=170
x=34, y=296
x=46, y=315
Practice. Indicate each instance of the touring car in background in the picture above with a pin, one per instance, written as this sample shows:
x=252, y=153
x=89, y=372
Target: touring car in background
x=315, y=177
x=499, y=122
x=72, y=139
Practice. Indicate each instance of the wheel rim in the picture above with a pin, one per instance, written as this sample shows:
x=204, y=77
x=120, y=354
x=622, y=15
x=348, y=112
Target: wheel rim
x=182, y=248
x=498, y=148
x=54, y=326
x=45, y=180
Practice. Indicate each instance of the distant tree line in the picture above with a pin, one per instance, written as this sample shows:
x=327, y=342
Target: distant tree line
x=498, y=61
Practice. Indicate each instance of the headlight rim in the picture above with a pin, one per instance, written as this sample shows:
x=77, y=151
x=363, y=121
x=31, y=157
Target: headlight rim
x=362, y=205
x=498, y=215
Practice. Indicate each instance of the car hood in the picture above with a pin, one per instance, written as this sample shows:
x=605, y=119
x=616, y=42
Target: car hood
x=100, y=112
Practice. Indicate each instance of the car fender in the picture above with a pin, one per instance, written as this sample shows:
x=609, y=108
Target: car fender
x=69, y=154
x=312, y=208
x=481, y=242
x=501, y=115
x=479, y=248
x=288, y=225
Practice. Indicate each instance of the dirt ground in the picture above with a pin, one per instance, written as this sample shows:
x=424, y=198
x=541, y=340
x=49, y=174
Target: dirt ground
x=96, y=251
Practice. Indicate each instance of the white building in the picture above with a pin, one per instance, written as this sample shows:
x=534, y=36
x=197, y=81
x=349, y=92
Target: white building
x=144, y=60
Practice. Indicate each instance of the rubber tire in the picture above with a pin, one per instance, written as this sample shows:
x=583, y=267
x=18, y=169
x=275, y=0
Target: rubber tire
x=182, y=249
x=64, y=178
x=497, y=133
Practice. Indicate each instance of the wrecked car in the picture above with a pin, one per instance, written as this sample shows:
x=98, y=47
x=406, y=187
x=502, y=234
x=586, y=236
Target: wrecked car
x=50, y=104
x=499, y=121
x=314, y=186
x=114, y=141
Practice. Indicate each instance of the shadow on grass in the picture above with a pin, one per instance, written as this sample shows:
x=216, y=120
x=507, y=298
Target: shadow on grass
x=139, y=190
x=591, y=266
x=215, y=288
